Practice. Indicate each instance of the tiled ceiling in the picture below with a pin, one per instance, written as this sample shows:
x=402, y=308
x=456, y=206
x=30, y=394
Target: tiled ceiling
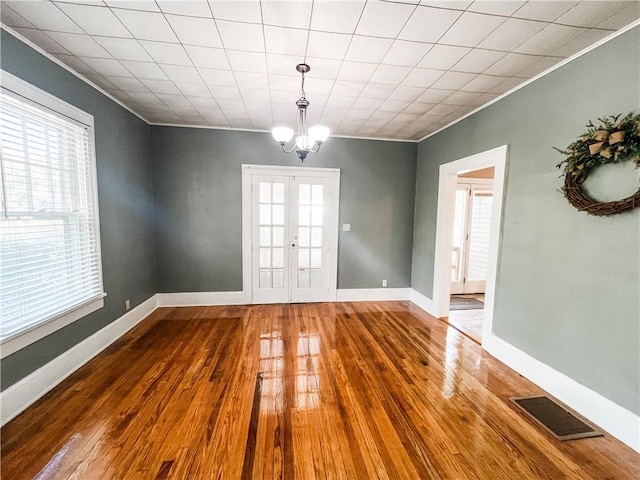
x=383, y=69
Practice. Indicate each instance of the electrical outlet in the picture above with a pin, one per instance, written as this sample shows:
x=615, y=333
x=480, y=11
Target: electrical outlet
x=127, y=304
x=384, y=283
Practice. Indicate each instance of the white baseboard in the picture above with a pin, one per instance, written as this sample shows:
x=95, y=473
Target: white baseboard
x=199, y=299
x=372, y=294
x=20, y=395
x=423, y=302
x=618, y=421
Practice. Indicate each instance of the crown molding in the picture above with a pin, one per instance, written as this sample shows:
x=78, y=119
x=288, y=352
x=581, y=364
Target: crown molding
x=540, y=75
x=25, y=40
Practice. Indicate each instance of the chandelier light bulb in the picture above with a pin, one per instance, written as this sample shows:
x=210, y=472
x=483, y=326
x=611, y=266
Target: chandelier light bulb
x=282, y=134
x=319, y=133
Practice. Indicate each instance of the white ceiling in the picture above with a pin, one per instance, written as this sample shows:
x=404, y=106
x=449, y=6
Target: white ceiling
x=383, y=69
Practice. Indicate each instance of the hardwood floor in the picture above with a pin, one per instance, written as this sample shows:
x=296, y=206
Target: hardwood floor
x=344, y=390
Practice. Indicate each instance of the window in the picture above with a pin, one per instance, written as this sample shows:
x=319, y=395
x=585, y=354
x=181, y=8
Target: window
x=50, y=271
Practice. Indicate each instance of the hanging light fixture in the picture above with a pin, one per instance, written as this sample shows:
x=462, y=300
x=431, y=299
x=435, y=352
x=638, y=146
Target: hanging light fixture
x=306, y=139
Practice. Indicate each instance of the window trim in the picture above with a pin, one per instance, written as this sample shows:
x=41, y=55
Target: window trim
x=24, y=91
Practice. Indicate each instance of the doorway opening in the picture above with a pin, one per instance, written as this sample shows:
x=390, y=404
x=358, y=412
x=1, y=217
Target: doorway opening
x=467, y=241
x=290, y=232
x=470, y=250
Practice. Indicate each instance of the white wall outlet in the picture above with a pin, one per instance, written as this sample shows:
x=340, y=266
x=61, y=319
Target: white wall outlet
x=346, y=227
x=127, y=304
x=384, y=283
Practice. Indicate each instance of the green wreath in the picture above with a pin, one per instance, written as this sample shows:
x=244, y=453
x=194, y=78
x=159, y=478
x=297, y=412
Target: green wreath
x=614, y=140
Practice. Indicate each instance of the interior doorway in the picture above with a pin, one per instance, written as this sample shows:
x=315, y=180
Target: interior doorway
x=290, y=230
x=450, y=174
x=472, y=206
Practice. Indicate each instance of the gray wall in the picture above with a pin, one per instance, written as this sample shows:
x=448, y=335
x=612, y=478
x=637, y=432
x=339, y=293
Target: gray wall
x=198, y=193
x=124, y=196
x=568, y=284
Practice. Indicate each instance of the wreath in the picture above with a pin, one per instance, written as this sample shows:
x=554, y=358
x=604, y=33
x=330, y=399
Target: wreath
x=614, y=140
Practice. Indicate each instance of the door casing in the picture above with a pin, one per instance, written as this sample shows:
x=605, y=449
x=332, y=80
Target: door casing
x=248, y=171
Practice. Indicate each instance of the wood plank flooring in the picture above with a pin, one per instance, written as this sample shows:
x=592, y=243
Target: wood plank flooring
x=313, y=391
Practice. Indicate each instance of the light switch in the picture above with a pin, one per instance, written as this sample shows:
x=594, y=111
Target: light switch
x=346, y=227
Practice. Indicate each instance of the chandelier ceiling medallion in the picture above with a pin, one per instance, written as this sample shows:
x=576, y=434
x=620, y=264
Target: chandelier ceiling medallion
x=306, y=139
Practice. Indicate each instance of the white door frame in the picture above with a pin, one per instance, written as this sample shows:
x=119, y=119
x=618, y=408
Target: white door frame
x=247, y=173
x=448, y=179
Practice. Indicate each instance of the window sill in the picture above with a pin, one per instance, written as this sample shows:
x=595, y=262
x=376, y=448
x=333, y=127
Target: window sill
x=35, y=333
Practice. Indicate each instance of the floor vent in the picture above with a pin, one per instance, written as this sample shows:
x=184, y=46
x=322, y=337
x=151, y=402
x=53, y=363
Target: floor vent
x=557, y=419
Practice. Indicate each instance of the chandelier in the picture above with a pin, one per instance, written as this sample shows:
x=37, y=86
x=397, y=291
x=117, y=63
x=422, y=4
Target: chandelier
x=306, y=139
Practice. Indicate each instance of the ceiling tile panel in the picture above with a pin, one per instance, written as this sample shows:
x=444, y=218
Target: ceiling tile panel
x=179, y=73
x=189, y=8
x=76, y=63
x=208, y=57
x=80, y=45
x=228, y=93
x=493, y=7
x=405, y=93
x=586, y=14
x=107, y=66
x=511, y=64
x=144, y=5
x=422, y=77
x=241, y=36
x=550, y=39
x=470, y=29
x=45, y=16
x=368, y=49
x=482, y=84
x=377, y=90
x=622, y=18
x=321, y=67
x=478, y=60
x=97, y=20
x=512, y=33
x=12, y=19
x=428, y=24
x=443, y=57
x=168, y=53
x=328, y=45
x=284, y=64
x=344, y=88
x=193, y=89
x=454, y=80
x=245, y=11
x=338, y=17
x=128, y=84
x=356, y=71
x=252, y=80
x=124, y=49
x=195, y=31
x=583, y=41
x=146, y=25
x=544, y=11
x=224, y=78
x=247, y=61
x=383, y=19
x=285, y=41
x=286, y=14
x=43, y=40
x=145, y=70
x=406, y=53
x=161, y=86
x=389, y=74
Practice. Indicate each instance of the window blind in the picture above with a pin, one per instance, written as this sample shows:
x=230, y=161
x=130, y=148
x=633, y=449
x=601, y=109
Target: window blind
x=49, y=243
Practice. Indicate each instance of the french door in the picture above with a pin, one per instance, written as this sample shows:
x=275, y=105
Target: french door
x=293, y=215
x=471, y=231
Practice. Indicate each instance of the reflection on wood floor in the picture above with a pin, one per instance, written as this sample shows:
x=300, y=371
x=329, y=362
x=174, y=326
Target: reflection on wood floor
x=344, y=390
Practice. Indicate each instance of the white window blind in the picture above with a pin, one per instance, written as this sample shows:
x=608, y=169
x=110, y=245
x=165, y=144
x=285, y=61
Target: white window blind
x=49, y=238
